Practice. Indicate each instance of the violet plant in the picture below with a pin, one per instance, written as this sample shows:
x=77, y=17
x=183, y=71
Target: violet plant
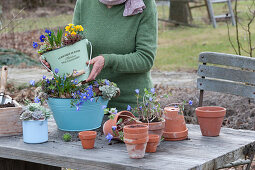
x=149, y=109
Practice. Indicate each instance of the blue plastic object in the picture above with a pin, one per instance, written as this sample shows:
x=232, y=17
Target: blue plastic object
x=35, y=131
x=89, y=117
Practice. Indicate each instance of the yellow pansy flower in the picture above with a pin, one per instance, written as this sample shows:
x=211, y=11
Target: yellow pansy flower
x=65, y=34
x=73, y=33
x=79, y=28
x=67, y=28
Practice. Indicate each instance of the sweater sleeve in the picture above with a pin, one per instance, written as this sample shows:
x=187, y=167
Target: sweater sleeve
x=142, y=59
x=77, y=13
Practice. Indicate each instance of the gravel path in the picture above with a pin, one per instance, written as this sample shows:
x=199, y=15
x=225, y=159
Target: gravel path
x=20, y=77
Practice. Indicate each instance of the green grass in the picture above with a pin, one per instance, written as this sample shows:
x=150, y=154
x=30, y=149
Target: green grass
x=178, y=47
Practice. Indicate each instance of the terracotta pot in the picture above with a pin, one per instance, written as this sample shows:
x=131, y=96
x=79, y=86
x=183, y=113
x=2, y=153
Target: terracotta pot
x=156, y=128
x=136, y=138
x=88, y=139
x=210, y=119
x=152, y=143
x=107, y=128
x=175, y=128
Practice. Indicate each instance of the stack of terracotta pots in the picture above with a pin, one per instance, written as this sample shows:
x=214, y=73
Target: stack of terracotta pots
x=136, y=138
x=156, y=128
x=175, y=128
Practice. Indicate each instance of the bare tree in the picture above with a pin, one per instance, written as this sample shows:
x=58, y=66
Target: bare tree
x=240, y=47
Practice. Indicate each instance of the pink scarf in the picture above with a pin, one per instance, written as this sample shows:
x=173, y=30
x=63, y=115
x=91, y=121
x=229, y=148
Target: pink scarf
x=132, y=7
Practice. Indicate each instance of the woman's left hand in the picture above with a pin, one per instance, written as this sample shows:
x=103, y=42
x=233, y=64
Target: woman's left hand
x=98, y=64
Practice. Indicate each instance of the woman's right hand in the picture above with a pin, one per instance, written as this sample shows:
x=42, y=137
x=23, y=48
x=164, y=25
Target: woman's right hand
x=46, y=64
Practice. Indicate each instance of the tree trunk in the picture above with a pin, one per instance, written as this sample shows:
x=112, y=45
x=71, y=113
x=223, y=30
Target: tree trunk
x=179, y=11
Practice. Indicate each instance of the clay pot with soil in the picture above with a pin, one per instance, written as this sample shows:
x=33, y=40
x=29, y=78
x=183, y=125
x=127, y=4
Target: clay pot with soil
x=152, y=143
x=175, y=128
x=88, y=139
x=136, y=138
x=210, y=119
x=120, y=120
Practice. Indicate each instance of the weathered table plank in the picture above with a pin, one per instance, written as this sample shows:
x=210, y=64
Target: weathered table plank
x=197, y=153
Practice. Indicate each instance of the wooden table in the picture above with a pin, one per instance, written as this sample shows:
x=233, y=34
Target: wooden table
x=198, y=152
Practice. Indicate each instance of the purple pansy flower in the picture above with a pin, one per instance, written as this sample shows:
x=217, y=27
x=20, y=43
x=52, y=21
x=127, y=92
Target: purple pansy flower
x=42, y=37
x=35, y=44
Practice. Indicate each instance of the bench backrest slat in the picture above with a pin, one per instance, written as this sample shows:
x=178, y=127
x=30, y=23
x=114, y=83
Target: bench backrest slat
x=233, y=74
x=226, y=74
x=227, y=60
x=226, y=87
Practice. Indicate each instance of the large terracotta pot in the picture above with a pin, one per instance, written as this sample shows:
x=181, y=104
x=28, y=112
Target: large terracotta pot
x=210, y=119
x=136, y=138
x=156, y=128
x=124, y=115
x=175, y=128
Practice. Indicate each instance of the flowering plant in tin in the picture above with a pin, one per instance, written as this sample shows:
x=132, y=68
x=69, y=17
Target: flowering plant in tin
x=69, y=87
x=51, y=40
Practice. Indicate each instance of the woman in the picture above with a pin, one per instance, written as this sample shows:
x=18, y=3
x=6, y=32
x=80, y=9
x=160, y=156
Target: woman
x=124, y=38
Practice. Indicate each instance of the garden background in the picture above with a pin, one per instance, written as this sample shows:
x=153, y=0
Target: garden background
x=174, y=71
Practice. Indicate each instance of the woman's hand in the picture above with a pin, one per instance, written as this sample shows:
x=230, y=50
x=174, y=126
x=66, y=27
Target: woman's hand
x=46, y=64
x=98, y=64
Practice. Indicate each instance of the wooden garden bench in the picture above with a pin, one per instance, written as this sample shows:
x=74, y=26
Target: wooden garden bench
x=232, y=74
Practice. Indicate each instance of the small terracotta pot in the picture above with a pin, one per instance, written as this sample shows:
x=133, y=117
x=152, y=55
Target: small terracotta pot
x=136, y=138
x=107, y=128
x=156, y=128
x=152, y=143
x=175, y=128
x=210, y=119
x=88, y=139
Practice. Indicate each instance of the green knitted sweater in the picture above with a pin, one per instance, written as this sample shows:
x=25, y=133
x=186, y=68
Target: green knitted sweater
x=128, y=45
